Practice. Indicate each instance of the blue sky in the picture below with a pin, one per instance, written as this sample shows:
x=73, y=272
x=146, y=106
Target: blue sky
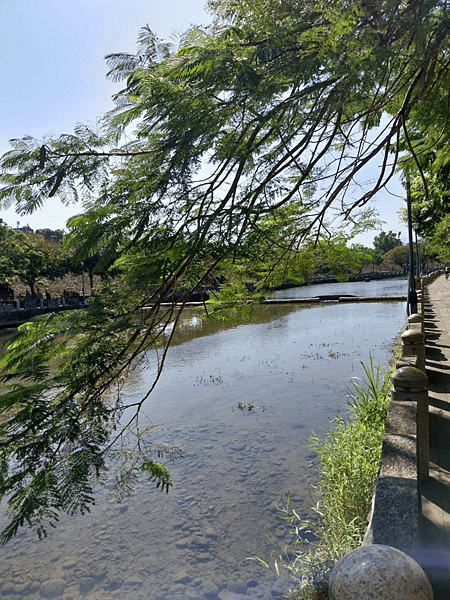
x=53, y=71
x=52, y=66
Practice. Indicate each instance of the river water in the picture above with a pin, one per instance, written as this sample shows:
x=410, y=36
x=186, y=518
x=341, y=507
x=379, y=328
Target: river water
x=292, y=366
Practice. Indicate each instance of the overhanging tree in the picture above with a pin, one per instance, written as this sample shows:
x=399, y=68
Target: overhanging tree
x=272, y=116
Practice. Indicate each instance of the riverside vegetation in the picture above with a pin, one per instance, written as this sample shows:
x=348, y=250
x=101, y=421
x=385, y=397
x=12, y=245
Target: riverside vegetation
x=349, y=456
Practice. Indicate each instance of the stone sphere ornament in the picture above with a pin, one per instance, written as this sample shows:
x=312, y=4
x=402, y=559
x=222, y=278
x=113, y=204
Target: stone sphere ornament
x=378, y=573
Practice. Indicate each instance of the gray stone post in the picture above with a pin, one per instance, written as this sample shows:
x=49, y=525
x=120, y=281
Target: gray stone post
x=420, y=302
x=411, y=384
x=378, y=572
x=416, y=321
x=413, y=350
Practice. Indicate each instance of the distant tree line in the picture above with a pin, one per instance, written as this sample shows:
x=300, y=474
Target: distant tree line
x=30, y=256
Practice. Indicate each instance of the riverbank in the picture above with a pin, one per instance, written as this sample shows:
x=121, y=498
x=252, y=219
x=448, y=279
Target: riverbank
x=411, y=510
x=13, y=314
x=334, y=298
x=349, y=458
x=366, y=276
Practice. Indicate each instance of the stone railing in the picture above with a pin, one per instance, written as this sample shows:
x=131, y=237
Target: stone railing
x=383, y=568
x=17, y=312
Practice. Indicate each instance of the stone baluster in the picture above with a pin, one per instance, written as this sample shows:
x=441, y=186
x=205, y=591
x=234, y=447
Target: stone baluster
x=417, y=322
x=411, y=385
x=378, y=572
x=420, y=300
x=413, y=350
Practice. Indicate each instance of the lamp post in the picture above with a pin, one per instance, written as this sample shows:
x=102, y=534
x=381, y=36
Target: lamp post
x=415, y=227
x=411, y=306
x=82, y=273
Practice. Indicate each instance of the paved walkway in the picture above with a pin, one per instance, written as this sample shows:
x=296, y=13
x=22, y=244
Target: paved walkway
x=436, y=491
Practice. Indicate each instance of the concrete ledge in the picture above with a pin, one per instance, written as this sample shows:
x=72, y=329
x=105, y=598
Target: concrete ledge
x=394, y=519
x=373, y=299
x=399, y=457
x=330, y=298
x=401, y=417
x=23, y=315
x=395, y=515
x=314, y=300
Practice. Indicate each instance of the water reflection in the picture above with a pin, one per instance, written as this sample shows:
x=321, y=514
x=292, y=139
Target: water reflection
x=293, y=364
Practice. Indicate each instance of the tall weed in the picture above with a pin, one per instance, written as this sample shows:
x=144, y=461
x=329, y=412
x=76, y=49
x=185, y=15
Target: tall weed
x=349, y=456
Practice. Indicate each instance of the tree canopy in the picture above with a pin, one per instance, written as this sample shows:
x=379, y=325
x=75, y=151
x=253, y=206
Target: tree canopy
x=386, y=241
x=248, y=143
x=399, y=255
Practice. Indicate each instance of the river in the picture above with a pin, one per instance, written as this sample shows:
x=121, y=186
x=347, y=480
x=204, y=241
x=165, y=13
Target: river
x=292, y=366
